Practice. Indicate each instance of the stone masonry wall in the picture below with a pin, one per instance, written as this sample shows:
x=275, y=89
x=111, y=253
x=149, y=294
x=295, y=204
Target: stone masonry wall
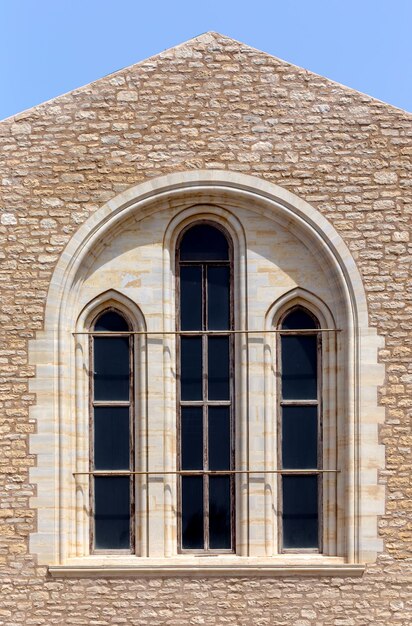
x=209, y=103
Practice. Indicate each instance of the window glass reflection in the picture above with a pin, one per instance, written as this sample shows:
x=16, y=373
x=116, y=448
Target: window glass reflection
x=191, y=368
x=112, y=512
x=191, y=297
x=192, y=437
x=218, y=298
x=111, y=368
x=299, y=437
x=204, y=242
x=219, y=507
x=298, y=319
x=110, y=321
x=218, y=368
x=299, y=367
x=111, y=437
x=192, y=512
x=300, y=512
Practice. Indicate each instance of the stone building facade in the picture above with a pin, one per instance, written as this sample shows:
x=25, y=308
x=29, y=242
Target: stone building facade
x=309, y=182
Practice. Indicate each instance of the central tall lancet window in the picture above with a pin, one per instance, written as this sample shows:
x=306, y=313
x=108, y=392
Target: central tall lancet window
x=205, y=390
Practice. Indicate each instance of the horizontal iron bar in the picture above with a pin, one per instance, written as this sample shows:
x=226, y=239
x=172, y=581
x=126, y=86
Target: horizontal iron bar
x=111, y=403
x=299, y=402
x=308, y=331
x=205, y=403
x=203, y=472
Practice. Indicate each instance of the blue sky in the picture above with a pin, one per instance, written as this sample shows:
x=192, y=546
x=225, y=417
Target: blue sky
x=49, y=47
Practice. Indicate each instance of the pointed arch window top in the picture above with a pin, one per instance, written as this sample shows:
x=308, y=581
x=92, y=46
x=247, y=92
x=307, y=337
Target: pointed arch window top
x=204, y=242
x=111, y=321
x=299, y=319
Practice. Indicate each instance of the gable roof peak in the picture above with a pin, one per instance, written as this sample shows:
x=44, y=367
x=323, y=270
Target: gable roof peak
x=186, y=48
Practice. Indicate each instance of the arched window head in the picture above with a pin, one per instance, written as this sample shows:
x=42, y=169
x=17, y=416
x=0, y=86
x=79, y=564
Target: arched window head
x=299, y=319
x=111, y=321
x=204, y=242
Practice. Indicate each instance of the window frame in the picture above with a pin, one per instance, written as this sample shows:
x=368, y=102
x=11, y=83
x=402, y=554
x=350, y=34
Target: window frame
x=281, y=402
x=205, y=402
x=132, y=433
x=331, y=378
x=82, y=529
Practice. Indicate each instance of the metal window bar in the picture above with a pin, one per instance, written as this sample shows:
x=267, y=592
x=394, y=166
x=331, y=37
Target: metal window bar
x=298, y=331
x=202, y=472
x=247, y=332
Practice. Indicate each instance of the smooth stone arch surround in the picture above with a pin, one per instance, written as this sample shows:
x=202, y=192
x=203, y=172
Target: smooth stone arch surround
x=220, y=184
x=229, y=189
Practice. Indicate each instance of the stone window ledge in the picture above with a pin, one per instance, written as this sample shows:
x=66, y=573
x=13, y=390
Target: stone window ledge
x=112, y=567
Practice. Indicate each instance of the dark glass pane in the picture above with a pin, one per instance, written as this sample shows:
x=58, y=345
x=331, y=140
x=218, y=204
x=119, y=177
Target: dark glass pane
x=218, y=368
x=111, y=321
x=191, y=298
x=299, y=367
x=112, y=512
x=192, y=512
x=298, y=319
x=219, y=512
x=219, y=437
x=218, y=302
x=111, y=368
x=300, y=512
x=192, y=437
x=191, y=368
x=299, y=437
x=204, y=243
x=111, y=438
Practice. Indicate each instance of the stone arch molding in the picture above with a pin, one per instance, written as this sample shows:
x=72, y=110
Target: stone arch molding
x=55, y=367
x=117, y=300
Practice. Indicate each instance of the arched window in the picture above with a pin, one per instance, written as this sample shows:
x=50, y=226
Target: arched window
x=300, y=432
x=112, y=434
x=205, y=390
x=278, y=253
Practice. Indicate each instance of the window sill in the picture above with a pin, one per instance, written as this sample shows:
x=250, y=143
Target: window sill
x=120, y=567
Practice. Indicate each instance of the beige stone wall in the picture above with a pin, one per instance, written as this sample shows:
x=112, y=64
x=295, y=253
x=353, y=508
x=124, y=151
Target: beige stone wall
x=210, y=104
